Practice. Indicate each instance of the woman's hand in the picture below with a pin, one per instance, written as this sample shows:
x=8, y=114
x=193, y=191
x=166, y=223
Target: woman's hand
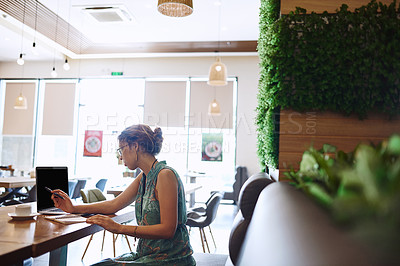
x=105, y=222
x=63, y=204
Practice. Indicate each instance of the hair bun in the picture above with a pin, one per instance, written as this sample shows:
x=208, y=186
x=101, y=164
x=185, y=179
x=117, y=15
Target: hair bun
x=158, y=140
x=157, y=132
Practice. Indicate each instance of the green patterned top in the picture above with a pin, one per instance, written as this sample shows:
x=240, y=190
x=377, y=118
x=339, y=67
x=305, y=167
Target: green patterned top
x=174, y=251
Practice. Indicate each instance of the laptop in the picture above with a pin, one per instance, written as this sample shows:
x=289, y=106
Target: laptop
x=54, y=177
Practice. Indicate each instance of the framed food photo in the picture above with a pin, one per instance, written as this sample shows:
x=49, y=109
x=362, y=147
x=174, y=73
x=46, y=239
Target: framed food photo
x=211, y=148
x=93, y=143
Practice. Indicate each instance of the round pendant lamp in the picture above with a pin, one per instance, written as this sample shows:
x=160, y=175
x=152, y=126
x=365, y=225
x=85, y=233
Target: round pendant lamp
x=175, y=8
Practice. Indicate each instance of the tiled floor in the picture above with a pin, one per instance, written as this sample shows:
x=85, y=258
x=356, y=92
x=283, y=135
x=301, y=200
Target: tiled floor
x=220, y=229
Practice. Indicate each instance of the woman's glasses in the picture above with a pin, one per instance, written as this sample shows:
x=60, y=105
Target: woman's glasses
x=119, y=150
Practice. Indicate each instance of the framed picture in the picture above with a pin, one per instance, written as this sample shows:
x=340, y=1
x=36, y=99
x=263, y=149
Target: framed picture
x=211, y=148
x=93, y=143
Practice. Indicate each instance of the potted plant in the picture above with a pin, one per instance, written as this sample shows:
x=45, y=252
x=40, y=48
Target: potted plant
x=361, y=190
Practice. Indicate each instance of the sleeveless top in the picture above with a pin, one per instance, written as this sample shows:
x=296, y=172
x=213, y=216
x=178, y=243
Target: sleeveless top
x=174, y=251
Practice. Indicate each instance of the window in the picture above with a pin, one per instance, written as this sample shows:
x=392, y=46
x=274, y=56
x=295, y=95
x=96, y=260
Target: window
x=17, y=136
x=109, y=106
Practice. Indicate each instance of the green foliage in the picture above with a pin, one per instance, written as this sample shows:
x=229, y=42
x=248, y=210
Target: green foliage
x=357, y=186
x=347, y=62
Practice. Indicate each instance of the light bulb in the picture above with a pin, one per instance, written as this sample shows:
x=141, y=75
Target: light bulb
x=66, y=65
x=218, y=68
x=54, y=73
x=34, y=49
x=20, y=60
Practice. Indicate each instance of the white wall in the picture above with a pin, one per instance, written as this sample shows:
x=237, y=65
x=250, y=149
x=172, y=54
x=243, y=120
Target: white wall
x=244, y=68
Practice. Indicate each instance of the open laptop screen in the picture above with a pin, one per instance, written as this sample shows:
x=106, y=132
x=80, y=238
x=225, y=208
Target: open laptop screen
x=51, y=177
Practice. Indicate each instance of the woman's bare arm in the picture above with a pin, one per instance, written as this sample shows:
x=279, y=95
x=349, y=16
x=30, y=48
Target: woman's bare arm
x=106, y=207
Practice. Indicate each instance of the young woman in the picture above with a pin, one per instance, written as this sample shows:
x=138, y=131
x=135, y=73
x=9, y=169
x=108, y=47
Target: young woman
x=159, y=204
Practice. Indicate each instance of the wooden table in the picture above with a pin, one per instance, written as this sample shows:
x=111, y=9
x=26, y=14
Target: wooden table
x=15, y=184
x=190, y=189
x=20, y=240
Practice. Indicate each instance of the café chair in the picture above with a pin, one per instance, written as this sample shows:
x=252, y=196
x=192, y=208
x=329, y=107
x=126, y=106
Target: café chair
x=95, y=195
x=202, y=220
x=101, y=184
x=71, y=187
x=196, y=212
x=77, y=191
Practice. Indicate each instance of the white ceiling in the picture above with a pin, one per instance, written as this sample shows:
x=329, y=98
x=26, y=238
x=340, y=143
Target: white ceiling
x=233, y=20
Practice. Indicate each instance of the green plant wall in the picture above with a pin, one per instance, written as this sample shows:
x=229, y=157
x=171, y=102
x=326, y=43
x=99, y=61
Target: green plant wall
x=347, y=62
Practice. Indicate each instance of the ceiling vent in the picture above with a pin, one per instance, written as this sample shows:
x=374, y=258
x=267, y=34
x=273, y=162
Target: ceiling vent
x=108, y=14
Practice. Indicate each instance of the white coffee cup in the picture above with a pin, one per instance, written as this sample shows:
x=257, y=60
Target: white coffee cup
x=23, y=210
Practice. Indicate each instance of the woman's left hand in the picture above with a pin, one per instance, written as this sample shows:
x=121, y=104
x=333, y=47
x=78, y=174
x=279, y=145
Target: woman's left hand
x=105, y=222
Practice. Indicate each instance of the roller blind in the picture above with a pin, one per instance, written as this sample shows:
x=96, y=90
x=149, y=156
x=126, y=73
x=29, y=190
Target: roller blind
x=58, y=110
x=164, y=103
x=19, y=122
x=201, y=94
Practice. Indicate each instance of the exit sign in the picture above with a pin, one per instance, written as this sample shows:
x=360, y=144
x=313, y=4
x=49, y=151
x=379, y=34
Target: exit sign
x=117, y=73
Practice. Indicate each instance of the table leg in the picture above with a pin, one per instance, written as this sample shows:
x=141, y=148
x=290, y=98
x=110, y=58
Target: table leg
x=192, y=199
x=58, y=257
x=10, y=194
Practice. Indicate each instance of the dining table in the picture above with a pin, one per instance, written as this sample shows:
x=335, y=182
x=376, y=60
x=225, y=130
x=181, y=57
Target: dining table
x=14, y=184
x=22, y=239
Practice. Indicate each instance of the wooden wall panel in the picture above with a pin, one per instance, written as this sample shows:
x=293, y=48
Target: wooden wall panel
x=298, y=131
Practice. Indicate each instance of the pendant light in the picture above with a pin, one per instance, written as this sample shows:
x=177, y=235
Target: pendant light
x=217, y=74
x=53, y=73
x=20, y=60
x=175, y=8
x=20, y=102
x=214, y=107
x=34, y=49
x=66, y=65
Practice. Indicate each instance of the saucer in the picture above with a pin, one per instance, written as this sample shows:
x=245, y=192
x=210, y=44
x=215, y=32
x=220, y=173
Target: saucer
x=23, y=217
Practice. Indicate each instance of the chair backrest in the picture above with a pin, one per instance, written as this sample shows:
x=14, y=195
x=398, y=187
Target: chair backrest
x=77, y=191
x=101, y=184
x=32, y=195
x=212, y=208
x=92, y=195
x=71, y=187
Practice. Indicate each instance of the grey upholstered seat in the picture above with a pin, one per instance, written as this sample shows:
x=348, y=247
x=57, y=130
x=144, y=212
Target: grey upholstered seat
x=205, y=220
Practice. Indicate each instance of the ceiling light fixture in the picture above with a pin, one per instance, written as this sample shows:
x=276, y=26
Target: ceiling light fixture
x=54, y=72
x=34, y=49
x=21, y=102
x=218, y=73
x=214, y=107
x=66, y=65
x=20, y=60
x=175, y=8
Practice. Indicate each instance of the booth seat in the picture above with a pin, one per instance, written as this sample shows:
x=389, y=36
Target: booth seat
x=279, y=225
